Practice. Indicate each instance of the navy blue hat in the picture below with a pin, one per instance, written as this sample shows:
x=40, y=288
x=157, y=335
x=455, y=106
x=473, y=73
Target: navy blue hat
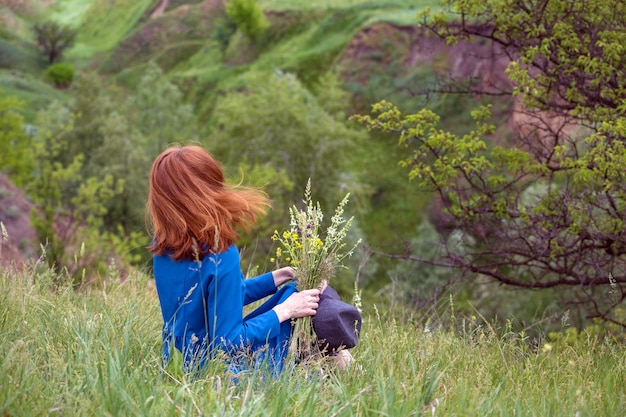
x=337, y=324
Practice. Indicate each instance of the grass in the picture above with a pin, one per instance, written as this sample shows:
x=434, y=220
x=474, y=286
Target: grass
x=97, y=352
x=36, y=93
x=104, y=25
x=101, y=24
x=69, y=12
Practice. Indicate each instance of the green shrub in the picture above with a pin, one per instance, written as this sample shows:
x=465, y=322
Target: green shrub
x=248, y=16
x=61, y=74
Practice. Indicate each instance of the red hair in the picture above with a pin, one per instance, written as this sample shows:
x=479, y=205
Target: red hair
x=192, y=210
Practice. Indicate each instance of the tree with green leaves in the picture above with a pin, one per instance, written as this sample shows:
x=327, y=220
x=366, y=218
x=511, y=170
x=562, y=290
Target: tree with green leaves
x=106, y=133
x=248, y=17
x=158, y=110
x=151, y=118
x=16, y=156
x=70, y=207
x=277, y=134
x=280, y=123
x=53, y=39
x=547, y=209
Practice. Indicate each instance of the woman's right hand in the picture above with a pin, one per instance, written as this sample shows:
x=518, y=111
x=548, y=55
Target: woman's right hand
x=299, y=304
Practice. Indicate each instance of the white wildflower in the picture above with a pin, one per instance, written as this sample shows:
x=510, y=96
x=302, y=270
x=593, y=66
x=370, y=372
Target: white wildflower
x=316, y=253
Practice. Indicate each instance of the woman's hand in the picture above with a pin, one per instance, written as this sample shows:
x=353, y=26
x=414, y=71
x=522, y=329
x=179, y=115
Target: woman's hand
x=283, y=275
x=299, y=304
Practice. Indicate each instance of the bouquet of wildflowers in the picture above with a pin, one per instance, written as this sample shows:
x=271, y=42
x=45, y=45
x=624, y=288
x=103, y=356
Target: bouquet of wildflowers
x=316, y=254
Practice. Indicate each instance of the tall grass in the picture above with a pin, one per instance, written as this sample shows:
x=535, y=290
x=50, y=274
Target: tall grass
x=97, y=352
x=101, y=24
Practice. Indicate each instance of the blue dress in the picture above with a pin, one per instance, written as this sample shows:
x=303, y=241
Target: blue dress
x=202, y=305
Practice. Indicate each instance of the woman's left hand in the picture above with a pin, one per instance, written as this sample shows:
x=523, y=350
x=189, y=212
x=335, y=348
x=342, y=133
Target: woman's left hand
x=283, y=275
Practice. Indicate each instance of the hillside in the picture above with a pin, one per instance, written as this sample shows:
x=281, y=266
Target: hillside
x=193, y=42
x=263, y=105
x=374, y=45
x=376, y=48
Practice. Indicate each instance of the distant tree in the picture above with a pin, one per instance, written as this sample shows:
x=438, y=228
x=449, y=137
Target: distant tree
x=16, y=157
x=70, y=206
x=143, y=125
x=548, y=209
x=53, y=39
x=116, y=134
x=157, y=108
x=248, y=16
x=92, y=101
x=280, y=123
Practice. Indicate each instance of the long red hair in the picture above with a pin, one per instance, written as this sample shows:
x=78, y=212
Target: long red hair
x=192, y=210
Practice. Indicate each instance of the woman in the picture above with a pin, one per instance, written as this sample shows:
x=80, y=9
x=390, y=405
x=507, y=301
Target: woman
x=195, y=215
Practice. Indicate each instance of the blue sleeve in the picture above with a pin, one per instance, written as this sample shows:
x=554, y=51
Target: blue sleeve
x=225, y=301
x=259, y=287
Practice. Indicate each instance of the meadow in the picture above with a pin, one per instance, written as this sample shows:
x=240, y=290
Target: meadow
x=96, y=351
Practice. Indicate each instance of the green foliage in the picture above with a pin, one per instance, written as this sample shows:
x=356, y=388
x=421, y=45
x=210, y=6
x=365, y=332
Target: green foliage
x=575, y=47
x=280, y=123
x=569, y=236
x=225, y=30
x=16, y=157
x=418, y=288
x=274, y=181
x=70, y=207
x=248, y=16
x=53, y=39
x=92, y=102
x=61, y=74
x=155, y=116
x=485, y=188
x=436, y=157
x=331, y=96
x=114, y=138
x=160, y=112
